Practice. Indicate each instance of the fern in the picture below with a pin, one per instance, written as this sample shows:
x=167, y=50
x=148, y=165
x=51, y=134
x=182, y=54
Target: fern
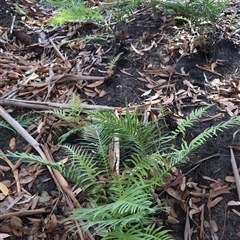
x=132, y=207
x=71, y=116
x=186, y=123
x=122, y=204
x=22, y=120
x=114, y=61
x=151, y=232
x=135, y=136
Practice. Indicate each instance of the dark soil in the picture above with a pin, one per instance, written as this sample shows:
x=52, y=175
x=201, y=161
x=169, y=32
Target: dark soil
x=122, y=89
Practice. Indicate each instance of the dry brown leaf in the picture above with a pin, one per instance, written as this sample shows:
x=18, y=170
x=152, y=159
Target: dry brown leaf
x=172, y=220
x=12, y=143
x=111, y=157
x=196, y=210
x=26, y=179
x=90, y=94
x=52, y=224
x=233, y=203
x=4, y=189
x=168, y=100
x=174, y=193
x=236, y=212
x=237, y=148
x=230, y=179
x=146, y=93
x=16, y=222
x=95, y=84
x=4, y=235
x=217, y=192
x=172, y=212
x=209, y=179
x=213, y=226
x=214, y=202
x=102, y=93
x=4, y=168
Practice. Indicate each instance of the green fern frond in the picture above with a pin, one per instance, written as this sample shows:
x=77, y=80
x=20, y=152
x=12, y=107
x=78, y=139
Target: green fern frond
x=132, y=207
x=4, y=124
x=64, y=136
x=22, y=120
x=135, y=136
x=151, y=232
x=82, y=168
x=188, y=121
x=70, y=115
x=188, y=148
x=95, y=140
x=114, y=61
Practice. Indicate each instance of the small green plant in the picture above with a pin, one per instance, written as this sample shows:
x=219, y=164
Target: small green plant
x=23, y=120
x=201, y=14
x=197, y=11
x=71, y=116
x=75, y=11
x=121, y=200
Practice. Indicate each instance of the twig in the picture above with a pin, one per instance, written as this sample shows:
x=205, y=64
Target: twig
x=12, y=25
x=235, y=171
x=116, y=142
x=49, y=105
x=224, y=222
x=187, y=229
x=25, y=213
x=57, y=51
x=208, y=70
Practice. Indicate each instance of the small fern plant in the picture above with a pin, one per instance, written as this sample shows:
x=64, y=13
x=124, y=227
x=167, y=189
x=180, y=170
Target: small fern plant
x=122, y=206
x=70, y=116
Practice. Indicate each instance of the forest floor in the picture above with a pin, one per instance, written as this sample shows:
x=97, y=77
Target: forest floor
x=161, y=63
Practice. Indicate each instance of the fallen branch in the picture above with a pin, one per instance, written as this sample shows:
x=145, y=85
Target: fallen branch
x=49, y=105
x=235, y=171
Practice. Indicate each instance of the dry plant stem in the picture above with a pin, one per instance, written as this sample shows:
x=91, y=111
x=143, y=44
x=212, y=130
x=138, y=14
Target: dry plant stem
x=116, y=149
x=68, y=192
x=202, y=224
x=49, y=105
x=12, y=25
x=235, y=171
x=57, y=51
x=187, y=229
x=5, y=115
x=208, y=70
x=224, y=222
x=61, y=180
x=25, y=213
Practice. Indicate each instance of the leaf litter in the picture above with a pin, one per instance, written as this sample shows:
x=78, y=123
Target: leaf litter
x=49, y=64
